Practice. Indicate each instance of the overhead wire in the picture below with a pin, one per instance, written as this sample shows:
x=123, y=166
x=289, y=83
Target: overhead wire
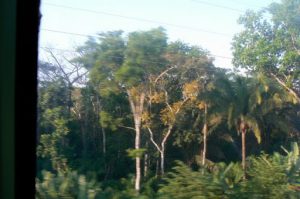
x=218, y=6
x=67, y=33
x=139, y=19
x=245, y=4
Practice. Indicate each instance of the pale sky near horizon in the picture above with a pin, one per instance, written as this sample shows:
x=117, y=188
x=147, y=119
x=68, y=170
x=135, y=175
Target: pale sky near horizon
x=210, y=24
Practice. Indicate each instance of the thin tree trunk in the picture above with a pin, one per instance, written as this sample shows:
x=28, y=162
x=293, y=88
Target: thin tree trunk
x=103, y=141
x=69, y=100
x=163, y=146
x=204, y=135
x=145, y=164
x=244, y=152
x=162, y=161
x=83, y=138
x=157, y=167
x=204, y=144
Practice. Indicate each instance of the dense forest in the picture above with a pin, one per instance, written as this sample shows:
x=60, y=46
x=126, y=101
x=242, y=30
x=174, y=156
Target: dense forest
x=136, y=116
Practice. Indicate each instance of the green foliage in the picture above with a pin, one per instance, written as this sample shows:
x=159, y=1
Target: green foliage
x=107, y=121
x=123, y=189
x=66, y=185
x=182, y=182
x=50, y=142
x=133, y=153
x=130, y=75
x=87, y=128
x=270, y=43
x=240, y=114
x=268, y=176
x=275, y=176
x=143, y=56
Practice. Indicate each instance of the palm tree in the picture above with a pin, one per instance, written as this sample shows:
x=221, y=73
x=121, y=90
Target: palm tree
x=209, y=103
x=213, y=99
x=240, y=113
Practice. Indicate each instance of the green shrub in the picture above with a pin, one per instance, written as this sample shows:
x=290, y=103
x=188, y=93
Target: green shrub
x=268, y=176
x=66, y=185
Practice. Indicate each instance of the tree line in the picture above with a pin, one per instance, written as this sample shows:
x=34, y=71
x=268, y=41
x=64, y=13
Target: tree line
x=128, y=108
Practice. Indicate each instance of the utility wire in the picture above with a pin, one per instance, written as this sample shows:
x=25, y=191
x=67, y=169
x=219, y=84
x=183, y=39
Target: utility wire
x=248, y=5
x=138, y=19
x=227, y=7
x=218, y=6
x=68, y=33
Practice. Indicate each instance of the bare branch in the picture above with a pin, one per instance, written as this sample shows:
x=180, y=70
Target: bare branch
x=78, y=77
x=76, y=68
x=127, y=127
x=60, y=66
x=291, y=91
x=167, y=101
x=167, y=135
x=76, y=113
x=181, y=105
x=164, y=72
x=152, y=140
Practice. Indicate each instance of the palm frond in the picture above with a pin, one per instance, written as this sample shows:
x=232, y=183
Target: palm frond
x=253, y=125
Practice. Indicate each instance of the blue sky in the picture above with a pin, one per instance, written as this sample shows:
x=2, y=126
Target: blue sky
x=199, y=22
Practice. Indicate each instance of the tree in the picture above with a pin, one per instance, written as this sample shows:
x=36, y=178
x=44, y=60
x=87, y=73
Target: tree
x=48, y=146
x=271, y=45
x=121, y=67
x=60, y=74
x=148, y=103
x=168, y=116
x=273, y=109
x=177, y=86
x=211, y=101
x=69, y=73
x=195, y=69
x=240, y=114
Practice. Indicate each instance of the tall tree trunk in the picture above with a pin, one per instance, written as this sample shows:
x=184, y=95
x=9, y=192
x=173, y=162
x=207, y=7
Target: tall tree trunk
x=244, y=152
x=137, y=110
x=137, y=159
x=83, y=137
x=204, y=135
